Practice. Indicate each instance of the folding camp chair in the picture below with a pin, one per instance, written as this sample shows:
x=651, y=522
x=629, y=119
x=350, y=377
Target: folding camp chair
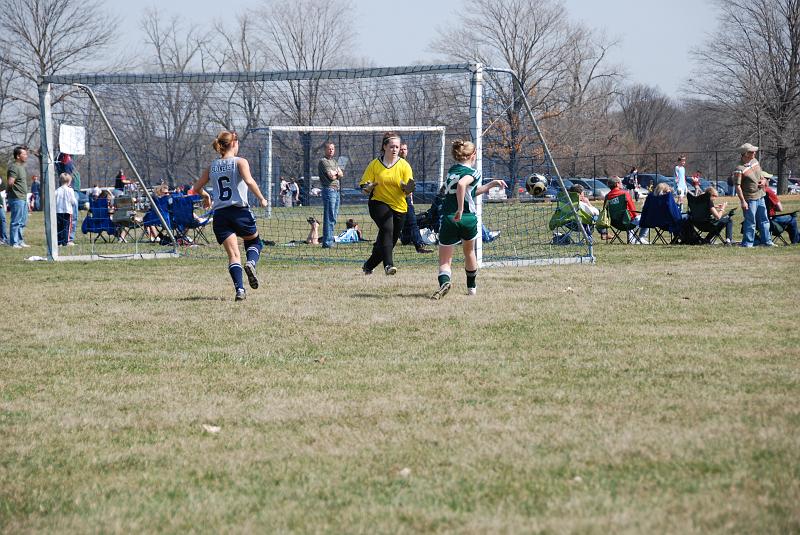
x=620, y=219
x=777, y=228
x=662, y=214
x=184, y=222
x=98, y=221
x=563, y=222
x=151, y=219
x=702, y=220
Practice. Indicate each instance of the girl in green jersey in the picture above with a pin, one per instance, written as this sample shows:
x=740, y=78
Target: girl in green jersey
x=459, y=216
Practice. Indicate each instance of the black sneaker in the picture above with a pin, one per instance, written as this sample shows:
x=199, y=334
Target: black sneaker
x=365, y=270
x=252, y=278
x=421, y=249
x=441, y=292
x=391, y=270
x=241, y=295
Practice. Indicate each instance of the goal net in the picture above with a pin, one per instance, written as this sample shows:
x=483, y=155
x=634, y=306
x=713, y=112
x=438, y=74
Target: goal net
x=158, y=128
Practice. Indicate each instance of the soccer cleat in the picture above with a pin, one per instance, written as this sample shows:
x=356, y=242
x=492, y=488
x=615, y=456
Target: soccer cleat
x=441, y=292
x=252, y=278
x=365, y=270
x=391, y=270
x=241, y=295
x=472, y=291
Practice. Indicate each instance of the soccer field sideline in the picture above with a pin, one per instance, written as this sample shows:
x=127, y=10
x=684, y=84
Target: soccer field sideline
x=627, y=396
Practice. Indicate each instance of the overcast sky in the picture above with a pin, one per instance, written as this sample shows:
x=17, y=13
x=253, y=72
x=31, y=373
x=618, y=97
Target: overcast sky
x=656, y=36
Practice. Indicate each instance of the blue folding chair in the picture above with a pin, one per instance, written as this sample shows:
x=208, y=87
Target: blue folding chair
x=662, y=214
x=151, y=220
x=99, y=222
x=184, y=221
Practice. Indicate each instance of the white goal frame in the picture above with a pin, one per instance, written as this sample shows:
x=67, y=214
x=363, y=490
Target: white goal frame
x=475, y=71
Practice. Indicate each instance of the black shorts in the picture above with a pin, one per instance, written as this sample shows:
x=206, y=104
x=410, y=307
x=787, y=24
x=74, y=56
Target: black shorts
x=233, y=220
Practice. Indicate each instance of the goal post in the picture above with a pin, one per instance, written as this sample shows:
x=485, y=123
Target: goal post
x=159, y=127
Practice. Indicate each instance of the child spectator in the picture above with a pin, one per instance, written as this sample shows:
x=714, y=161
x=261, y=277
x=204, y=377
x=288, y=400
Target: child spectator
x=65, y=200
x=351, y=235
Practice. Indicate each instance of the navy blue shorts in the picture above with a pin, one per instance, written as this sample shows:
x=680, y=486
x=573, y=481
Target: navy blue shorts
x=233, y=220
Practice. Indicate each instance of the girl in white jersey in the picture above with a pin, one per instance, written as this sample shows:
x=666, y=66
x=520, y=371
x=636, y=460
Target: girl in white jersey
x=230, y=180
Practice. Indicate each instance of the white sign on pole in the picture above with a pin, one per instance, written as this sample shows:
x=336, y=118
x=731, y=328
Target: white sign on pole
x=72, y=139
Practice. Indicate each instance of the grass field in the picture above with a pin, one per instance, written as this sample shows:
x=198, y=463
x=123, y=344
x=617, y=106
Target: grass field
x=656, y=391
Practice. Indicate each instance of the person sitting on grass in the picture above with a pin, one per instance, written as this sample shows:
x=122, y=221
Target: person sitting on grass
x=351, y=235
x=313, y=234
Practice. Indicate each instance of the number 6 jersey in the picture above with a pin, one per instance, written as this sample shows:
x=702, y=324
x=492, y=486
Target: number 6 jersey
x=229, y=188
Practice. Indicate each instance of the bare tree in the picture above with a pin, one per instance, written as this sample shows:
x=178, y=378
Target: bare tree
x=750, y=68
x=45, y=37
x=645, y=118
x=237, y=49
x=7, y=78
x=176, y=111
x=537, y=42
x=305, y=35
x=591, y=85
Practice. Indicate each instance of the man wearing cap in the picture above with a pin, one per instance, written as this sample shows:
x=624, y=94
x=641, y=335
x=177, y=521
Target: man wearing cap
x=750, y=182
x=617, y=191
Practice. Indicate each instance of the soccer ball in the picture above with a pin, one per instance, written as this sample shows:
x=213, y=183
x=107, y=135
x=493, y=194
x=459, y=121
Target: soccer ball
x=536, y=184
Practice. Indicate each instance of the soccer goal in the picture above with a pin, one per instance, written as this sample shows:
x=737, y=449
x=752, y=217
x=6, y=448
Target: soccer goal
x=158, y=128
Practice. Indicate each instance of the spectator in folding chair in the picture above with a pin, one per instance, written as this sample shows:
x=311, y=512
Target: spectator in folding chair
x=98, y=221
x=563, y=220
x=156, y=232
x=184, y=220
x=707, y=217
x=778, y=223
x=662, y=214
x=623, y=214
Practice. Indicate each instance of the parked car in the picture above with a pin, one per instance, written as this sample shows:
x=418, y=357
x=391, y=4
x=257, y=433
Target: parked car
x=352, y=196
x=793, y=188
x=549, y=194
x=649, y=181
x=593, y=187
x=495, y=194
x=426, y=191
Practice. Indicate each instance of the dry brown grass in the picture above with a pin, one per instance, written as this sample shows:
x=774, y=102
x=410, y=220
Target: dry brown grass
x=656, y=391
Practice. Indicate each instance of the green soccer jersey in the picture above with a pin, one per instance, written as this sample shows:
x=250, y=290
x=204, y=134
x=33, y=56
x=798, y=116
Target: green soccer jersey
x=454, y=175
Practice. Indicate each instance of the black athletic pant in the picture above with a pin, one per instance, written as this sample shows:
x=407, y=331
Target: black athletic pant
x=410, y=232
x=390, y=224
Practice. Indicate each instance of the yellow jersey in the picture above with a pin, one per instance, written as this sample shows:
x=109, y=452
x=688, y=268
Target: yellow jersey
x=387, y=182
